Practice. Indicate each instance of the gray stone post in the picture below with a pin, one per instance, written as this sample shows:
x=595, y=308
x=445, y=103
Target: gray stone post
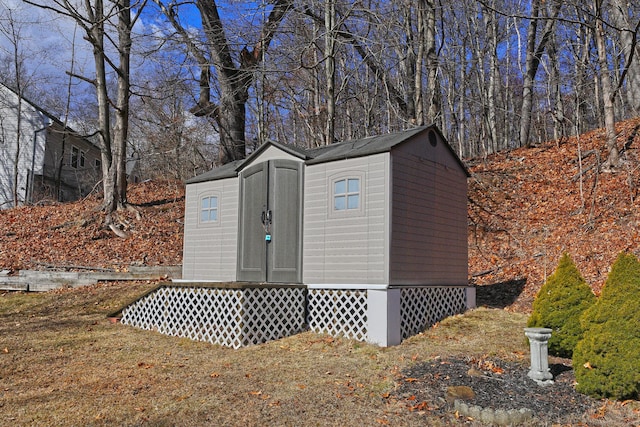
x=538, y=339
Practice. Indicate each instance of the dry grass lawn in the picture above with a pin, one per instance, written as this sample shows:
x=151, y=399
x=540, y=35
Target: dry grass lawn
x=62, y=362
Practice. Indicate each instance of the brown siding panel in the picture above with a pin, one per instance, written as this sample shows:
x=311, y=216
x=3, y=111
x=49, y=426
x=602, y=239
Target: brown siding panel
x=428, y=237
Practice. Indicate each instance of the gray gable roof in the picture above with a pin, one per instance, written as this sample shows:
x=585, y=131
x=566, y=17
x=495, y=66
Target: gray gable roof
x=225, y=171
x=328, y=153
x=361, y=147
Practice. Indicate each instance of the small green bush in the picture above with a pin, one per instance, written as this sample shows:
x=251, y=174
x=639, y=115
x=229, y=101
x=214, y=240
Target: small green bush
x=559, y=304
x=607, y=360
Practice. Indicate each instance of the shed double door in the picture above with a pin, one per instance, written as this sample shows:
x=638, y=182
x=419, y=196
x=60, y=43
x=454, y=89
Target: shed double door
x=270, y=228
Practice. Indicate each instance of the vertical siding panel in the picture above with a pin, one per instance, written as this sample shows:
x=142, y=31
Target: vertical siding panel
x=429, y=210
x=210, y=251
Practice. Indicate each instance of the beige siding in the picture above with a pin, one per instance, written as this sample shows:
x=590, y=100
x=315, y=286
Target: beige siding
x=210, y=251
x=350, y=249
x=270, y=153
x=429, y=205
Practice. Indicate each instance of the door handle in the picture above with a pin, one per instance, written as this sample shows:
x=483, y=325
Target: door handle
x=266, y=217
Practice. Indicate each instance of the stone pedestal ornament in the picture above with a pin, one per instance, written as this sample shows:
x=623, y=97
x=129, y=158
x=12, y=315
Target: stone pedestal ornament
x=538, y=342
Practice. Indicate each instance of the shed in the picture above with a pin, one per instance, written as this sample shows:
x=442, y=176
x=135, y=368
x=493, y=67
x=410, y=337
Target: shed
x=368, y=238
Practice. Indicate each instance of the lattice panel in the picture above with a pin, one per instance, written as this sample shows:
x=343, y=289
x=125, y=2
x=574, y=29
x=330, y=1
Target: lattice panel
x=338, y=312
x=229, y=317
x=421, y=307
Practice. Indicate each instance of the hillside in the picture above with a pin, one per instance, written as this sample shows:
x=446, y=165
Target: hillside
x=526, y=207
x=529, y=205
x=71, y=234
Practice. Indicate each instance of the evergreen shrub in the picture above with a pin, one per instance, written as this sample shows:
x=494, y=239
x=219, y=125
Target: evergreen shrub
x=607, y=359
x=559, y=304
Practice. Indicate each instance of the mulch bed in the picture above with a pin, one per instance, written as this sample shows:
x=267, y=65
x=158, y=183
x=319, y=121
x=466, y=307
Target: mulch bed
x=497, y=384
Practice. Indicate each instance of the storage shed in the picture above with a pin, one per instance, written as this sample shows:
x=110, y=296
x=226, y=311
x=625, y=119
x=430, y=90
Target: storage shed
x=365, y=238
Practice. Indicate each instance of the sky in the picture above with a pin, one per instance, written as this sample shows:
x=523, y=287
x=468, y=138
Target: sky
x=43, y=39
x=51, y=45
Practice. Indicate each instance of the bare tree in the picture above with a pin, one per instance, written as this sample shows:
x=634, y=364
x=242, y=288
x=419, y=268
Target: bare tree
x=233, y=77
x=95, y=18
x=536, y=45
x=18, y=127
x=10, y=28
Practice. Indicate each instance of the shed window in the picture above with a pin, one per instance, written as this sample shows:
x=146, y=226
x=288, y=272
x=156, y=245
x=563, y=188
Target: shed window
x=209, y=209
x=346, y=194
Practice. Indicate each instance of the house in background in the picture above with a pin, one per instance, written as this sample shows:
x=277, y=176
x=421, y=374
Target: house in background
x=365, y=239
x=40, y=158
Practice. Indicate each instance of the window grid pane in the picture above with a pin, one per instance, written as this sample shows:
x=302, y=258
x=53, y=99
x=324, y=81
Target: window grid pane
x=346, y=194
x=209, y=209
x=353, y=201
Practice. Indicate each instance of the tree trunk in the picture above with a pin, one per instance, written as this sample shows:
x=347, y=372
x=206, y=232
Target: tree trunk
x=613, y=159
x=330, y=70
x=234, y=81
x=434, y=109
x=96, y=34
x=491, y=23
x=630, y=52
x=533, y=56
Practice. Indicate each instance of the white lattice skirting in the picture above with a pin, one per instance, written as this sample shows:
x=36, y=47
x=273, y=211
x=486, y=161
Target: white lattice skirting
x=346, y=313
x=423, y=307
x=338, y=312
x=238, y=317
x=229, y=317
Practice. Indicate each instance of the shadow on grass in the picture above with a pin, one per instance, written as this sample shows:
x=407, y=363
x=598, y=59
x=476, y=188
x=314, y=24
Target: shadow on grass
x=499, y=295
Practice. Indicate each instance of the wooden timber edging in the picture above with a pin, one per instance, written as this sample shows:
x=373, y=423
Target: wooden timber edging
x=42, y=281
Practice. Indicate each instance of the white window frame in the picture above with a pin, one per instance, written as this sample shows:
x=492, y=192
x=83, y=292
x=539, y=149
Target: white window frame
x=209, y=209
x=346, y=212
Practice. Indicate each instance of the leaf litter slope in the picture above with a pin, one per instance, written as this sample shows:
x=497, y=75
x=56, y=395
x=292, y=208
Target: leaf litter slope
x=71, y=234
x=530, y=205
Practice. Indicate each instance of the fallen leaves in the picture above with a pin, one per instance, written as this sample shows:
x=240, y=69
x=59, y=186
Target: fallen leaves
x=71, y=234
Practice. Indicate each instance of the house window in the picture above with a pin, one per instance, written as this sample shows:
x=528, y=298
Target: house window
x=75, y=155
x=346, y=194
x=97, y=164
x=77, y=158
x=209, y=209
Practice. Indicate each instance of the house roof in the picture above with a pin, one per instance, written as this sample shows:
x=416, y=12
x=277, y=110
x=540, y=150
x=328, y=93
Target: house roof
x=328, y=153
x=50, y=116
